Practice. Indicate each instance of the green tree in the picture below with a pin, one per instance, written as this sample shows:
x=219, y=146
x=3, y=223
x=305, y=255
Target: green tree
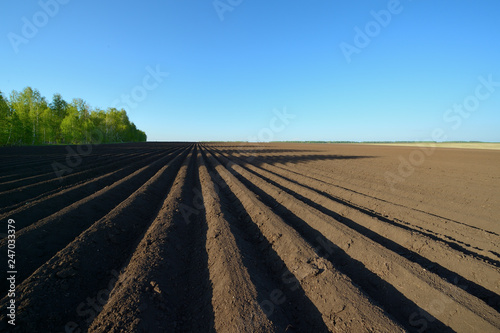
x=49, y=125
x=28, y=105
x=98, y=123
x=83, y=110
x=70, y=126
x=27, y=118
x=4, y=120
x=112, y=125
x=37, y=105
x=44, y=128
x=59, y=108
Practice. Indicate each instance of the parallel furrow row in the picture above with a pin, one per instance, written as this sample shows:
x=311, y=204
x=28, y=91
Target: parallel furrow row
x=454, y=233
x=85, y=162
x=85, y=266
x=421, y=287
x=47, y=204
x=39, y=241
x=342, y=306
x=208, y=238
x=436, y=256
x=164, y=282
x=13, y=198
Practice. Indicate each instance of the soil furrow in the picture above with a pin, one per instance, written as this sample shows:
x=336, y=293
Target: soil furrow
x=279, y=293
x=41, y=240
x=166, y=280
x=481, y=279
x=423, y=287
x=468, y=239
x=41, y=189
x=43, y=164
x=343, y=306
x=84, y=267
x=23, y=181
x=234, y=299
x=240, y=237
x=50, y=204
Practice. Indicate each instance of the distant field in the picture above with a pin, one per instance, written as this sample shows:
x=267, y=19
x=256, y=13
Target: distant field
x=462, y=145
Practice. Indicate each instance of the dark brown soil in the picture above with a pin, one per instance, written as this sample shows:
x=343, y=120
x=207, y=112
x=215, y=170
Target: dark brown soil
x=182, y=237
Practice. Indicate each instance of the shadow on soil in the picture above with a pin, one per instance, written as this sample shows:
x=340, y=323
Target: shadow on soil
x=273, y=156
x=412, y=317
x=293, y=300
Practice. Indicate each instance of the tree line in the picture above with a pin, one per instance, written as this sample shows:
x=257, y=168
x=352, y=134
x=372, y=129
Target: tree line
x=26, y=118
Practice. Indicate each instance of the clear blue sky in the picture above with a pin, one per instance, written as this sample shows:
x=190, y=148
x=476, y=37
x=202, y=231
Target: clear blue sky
x=227, y=78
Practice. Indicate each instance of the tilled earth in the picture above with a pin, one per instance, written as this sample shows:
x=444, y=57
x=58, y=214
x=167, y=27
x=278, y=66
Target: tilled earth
x=230, y=237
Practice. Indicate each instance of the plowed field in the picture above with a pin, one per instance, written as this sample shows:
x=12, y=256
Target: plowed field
x=229, y=237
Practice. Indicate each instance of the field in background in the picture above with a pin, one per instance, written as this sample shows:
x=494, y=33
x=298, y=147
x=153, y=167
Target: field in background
x=235, y=237
x=462, y=145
